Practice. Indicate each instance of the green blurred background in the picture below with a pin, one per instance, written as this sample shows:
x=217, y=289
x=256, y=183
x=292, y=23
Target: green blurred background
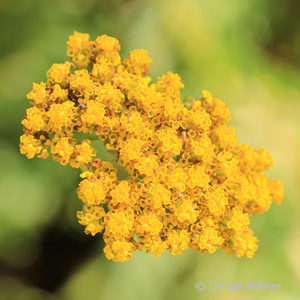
x=245, y=52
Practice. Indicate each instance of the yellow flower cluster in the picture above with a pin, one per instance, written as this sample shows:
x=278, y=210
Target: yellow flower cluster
x=191, y=185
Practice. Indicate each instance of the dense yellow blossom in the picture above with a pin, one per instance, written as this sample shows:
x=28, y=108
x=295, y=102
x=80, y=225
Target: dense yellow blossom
x=39, y=94
x=34, y=120
x=62, y=150
x=61, y=116
x=29, y=145
x=190, y=184
x=59, y=73
x=93, y=218
x=138, y=62
x=120, y=195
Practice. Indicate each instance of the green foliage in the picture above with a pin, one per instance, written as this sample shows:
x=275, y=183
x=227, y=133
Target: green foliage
x=227, y=47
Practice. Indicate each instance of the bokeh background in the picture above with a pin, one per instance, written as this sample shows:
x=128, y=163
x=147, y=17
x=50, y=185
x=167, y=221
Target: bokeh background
x=245, y=52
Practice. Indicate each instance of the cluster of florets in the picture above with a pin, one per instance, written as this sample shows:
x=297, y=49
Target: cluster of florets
x=190, y=184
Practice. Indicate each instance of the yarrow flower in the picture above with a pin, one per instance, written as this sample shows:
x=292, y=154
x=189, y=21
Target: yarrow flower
x=190, y=185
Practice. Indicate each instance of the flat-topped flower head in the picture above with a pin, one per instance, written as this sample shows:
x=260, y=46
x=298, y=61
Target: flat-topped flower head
x=190, y=184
